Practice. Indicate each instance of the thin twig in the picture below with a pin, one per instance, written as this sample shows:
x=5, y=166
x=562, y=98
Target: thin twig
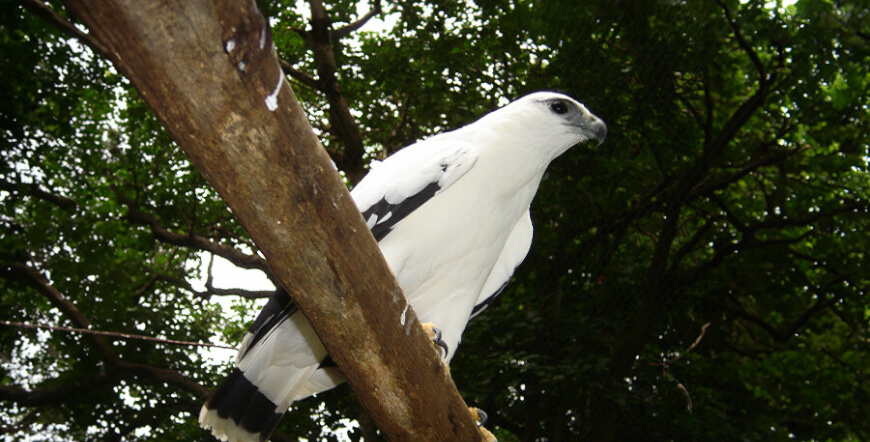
x=667, y=364
x=685, y=391
x=697, y=340
x=112, y=334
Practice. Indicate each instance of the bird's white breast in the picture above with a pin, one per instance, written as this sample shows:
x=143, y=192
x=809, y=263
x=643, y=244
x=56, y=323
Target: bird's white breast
x=443, y=252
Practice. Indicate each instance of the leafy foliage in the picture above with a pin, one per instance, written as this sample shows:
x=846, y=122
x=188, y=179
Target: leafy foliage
x=701, y=275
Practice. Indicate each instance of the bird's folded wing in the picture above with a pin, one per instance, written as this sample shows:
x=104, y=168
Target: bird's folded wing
x=391, y=191
x=409, y=178
x=278, y=309
x=514, y=252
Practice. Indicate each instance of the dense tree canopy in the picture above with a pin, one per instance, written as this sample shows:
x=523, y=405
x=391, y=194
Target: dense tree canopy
x=700, y=275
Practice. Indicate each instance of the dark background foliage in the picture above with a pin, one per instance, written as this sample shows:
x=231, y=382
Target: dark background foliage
x=701, y=275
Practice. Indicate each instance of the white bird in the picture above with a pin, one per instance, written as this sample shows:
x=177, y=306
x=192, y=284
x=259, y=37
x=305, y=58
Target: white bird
x=451, y=217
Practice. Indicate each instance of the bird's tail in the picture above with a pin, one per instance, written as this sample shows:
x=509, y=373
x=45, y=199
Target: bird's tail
x=278, y=363
x=238, y=411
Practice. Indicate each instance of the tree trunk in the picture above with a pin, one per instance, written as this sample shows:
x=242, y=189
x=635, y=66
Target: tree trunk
x=209, y=72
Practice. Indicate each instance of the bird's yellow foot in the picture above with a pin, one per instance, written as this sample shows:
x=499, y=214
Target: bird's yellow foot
x=479, y=416
x=435, y=335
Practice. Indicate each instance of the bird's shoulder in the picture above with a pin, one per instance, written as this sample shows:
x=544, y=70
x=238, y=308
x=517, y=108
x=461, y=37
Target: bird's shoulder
x=404, y=181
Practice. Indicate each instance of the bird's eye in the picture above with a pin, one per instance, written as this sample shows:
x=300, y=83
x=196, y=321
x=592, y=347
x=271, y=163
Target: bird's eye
x=559, y=106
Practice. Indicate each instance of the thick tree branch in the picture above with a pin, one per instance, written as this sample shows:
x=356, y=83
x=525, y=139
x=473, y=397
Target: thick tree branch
x=726, y=135
x=710, y=108
x=243, y=128
x=57, y=394
x=706, y=189
x=690, y=245
x=657, y=280
x=344, y=125
x=657, y=284
x=36, y=191
x=791, y=331
x=197, y=242
x=352, y=27
x=302, y=77
x=31, y=277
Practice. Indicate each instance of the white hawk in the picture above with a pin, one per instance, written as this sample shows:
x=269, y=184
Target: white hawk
x=451, y=216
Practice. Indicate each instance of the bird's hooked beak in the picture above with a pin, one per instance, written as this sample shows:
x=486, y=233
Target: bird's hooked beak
x=597, y=129
x=589, y=125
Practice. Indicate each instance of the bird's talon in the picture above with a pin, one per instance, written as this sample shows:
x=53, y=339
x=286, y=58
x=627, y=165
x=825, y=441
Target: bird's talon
x=483, y=418
x=478, y=415
x=435, y=335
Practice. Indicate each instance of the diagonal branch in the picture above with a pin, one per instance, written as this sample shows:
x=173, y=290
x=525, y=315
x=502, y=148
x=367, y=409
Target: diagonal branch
x=741, y=41
x=302, y=77
x=31, y=277
x=750, y=243
x=706, y=189
x=821, y=303
x=691, y=244
x=347, y=30
x=198, y=242
x=36, y=191
x=43, y=11
x=344, y=125
x=55, y=394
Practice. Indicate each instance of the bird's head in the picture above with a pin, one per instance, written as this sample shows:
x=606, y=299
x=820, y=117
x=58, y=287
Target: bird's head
x=551, y=121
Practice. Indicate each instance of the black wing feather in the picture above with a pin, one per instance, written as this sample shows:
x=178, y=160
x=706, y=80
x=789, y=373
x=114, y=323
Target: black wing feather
x=278, y=309
x=397, y=212
x=486, y=302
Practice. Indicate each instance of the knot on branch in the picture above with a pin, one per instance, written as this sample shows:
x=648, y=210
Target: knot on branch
x=246, y=36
